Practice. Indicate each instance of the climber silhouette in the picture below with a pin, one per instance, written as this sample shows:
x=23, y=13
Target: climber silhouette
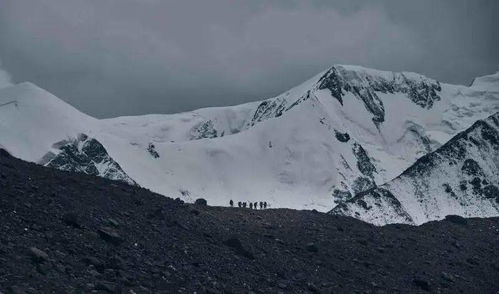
x=261, y=205
x=251, y=205
x=231, y=203
x=265, y=205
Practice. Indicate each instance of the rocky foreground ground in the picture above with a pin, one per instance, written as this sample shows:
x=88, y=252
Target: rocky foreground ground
x=71, y=233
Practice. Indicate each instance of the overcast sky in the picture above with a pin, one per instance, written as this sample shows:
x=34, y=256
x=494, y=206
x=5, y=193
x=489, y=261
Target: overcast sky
x=124, y=57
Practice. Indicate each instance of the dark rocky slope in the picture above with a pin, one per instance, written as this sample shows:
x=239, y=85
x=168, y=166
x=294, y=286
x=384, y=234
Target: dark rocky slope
x=67, y=232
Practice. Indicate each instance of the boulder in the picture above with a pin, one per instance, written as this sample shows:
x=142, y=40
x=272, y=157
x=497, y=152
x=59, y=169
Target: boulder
x=311, y=247
x=38, y=255
x=201, y=202
x=422, y=284
x=237, y=246
x=71, y=219
x=109, y=235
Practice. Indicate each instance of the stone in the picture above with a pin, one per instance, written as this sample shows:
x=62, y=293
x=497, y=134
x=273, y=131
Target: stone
x=17, y=289
x=312, y=288
x=201, y=202
x=109, y=235
x=236, y=244
x=115, y=262
x=447, y=276
x=113, y=222
x=38, y=255
x=71, y=219
x=422, y=284
x=311, y=247
x=106, y=286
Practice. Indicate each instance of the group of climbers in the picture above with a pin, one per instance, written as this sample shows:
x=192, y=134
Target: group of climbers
x=251, y=205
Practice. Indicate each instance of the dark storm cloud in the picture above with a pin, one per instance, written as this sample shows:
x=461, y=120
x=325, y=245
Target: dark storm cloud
x=119, y=57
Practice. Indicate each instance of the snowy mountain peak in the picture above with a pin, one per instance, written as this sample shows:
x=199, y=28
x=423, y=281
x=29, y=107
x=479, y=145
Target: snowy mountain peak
x=366, y=83
x=360, y=73
x=318, y=144
x=31, y=97
x=32, y=119
x=27, y=92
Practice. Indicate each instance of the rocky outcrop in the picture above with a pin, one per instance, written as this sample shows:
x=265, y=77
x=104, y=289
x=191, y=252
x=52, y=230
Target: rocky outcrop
x=378, y=206
x=86, y=155
x=204, y=130
x=342, y=137
x=364, y=163
x=268, y=109
x=273, y=108
x=151, y=148
x=366, y=84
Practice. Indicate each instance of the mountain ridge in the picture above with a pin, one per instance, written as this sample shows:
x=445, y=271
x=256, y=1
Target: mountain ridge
x=461, y=177
x=294, y=145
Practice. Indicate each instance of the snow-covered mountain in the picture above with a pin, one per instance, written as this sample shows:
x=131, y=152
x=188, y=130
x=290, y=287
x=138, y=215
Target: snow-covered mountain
x=461, y=177
x=314, y=146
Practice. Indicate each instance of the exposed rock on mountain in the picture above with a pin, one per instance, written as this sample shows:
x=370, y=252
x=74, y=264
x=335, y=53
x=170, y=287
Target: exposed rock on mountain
x=204, y=130
x=151, y=148
x=86, y=155
x=460, y=178
x=268, y=109
x=421, y=90
x=364, y=163
x=342, y=137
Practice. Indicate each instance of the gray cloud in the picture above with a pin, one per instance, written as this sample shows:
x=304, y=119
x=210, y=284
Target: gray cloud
x=120, y=57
